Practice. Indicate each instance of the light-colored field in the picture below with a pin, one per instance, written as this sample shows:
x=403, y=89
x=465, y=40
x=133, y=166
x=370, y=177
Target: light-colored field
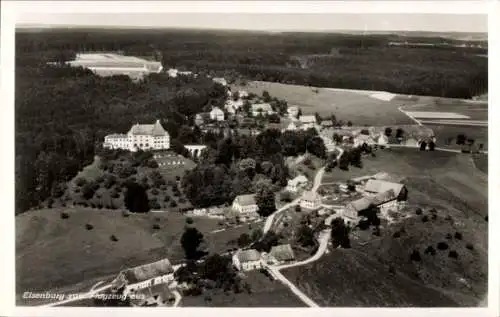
x=356, y=106
x=437, y=115
x=472, y=111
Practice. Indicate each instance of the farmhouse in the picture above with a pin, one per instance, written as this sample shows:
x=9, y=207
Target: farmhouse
x=263, y=109
x=140, y=136
x=217, y=114
x=140, y=277
x=294, y=184
x=282, y=253
x=246, y=206
x=307, y=122
x=377, y=186
x=310, y=200
x=247, y=260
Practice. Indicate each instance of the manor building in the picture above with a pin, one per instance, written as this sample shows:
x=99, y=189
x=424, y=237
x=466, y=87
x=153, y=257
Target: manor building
x=140, y=137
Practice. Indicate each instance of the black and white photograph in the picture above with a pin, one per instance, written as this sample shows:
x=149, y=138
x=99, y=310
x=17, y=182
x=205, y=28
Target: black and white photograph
x=250, y=159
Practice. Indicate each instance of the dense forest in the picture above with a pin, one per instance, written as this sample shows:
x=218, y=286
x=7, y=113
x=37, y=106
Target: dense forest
x=62, y=114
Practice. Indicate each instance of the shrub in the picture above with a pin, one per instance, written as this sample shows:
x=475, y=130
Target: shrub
x=177, y=178
x=156, y=226
x=469, y=246
x=64, y=215
x=77, y=190
x=80, y=181
x=433, y=211
x=442, y=245
x=418, y=211
x=173, y=204
x=189, y=220
x=167, y=198
x=425, y=219
x=415, y=256
x=458, y=236
x=430, y=250
x=113, y=238
x=453, y=254
x=434, y=217
x=89, y=226
x=182, y=200
x=396, y=234
x=448, y=236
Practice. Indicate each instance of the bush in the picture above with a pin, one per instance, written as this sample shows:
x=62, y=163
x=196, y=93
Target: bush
x=182, y=200
x=396, y=234
x=113, y=238
x=434, y=217
x=458, y=236
x=448, y=236
x=425, y=219
x=469, y=246
x=64, y=215
x=167, y=198
x=156, y=226
x=177, y=178
x=430, y=250
x=442, y=246
x=453, y=254
x=418, y=211
x=80, y=181
x=89, y=226
x=189, y=220
x=415, y=256
x=173, y=204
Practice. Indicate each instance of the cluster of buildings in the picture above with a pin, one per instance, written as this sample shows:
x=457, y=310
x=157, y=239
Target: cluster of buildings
x=251, y=259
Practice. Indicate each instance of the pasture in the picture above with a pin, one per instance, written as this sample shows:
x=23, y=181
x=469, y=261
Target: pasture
x=472, y=111
x=446, y=135
x=347, y=105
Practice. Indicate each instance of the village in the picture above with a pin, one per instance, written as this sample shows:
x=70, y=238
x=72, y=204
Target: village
x=155, y=284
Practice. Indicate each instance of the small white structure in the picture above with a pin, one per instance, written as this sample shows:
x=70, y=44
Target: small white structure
x=232, y=106
x=243, y=93
x=263, y=109
x=293, y=111
x=140, y=136
x=310, y=200
x=195, y=150
x=246, y=206
x=361, y=139
x=382, y=140
x=294, y=184
x=247, y=260
x=140, y=277
x=217, y=114
x=220, y=80
x=172, y=72
x=307, y=121
x=293, y=126
x=329, y=144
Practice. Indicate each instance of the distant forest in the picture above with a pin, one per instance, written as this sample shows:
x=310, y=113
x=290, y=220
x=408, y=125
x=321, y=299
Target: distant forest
x=62, y=114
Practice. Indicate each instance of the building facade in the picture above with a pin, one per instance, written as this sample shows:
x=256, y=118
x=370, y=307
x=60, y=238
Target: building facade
x=310, y=200
x=246, y=206
x=217, y=114
x=247, y=260
x=140, y=137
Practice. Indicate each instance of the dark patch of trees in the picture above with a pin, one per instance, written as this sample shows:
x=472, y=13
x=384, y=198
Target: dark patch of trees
x=191, y=240
x=340, y=233
x=136, y=198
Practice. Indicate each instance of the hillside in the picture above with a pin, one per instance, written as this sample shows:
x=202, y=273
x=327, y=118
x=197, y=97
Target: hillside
x=66, y=252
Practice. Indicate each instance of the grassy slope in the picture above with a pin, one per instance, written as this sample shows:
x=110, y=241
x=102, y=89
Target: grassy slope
x=265, y=293
x=66, y=253
x=344, y=104
x=444, y=132
x=350, y=278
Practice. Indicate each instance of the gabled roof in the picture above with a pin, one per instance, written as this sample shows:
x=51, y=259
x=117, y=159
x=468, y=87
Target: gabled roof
x=245, y=200
x=264, y=106
x=148, y=271
x=116, y=136
x=248, y=255
x=380, y=186
x=155, y=129
x=282, y=252
x=310, y=196
x=327, y=123
x=307, y=119
x=153, y=294
x=360, y=204
x=217, y=110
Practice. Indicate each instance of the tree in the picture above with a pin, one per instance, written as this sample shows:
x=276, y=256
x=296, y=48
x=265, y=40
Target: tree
x=317, y=147
x=431, y=146
x=257, y=234
x=266, y=96
x=299, y=113
x=244, y=240
x=298, y=208
x=340, y=233
x=136, y=198
x=305, y=236
x=349, y=123
x=461, y=139
x=318, y=117
x=388, y=131
x=423, y=145
x=399, y=133
x=191, y=239
x=265, y=199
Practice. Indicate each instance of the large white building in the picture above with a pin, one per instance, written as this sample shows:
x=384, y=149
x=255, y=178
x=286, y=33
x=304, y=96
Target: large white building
x=310, y=200
x=247, y=260
x=217, y=114
x=246, y=206
x=140, y=136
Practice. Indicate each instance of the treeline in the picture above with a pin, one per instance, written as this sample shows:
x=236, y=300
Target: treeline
x=63, y=114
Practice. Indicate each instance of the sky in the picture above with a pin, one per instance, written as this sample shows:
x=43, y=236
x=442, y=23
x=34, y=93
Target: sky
x=268, y=22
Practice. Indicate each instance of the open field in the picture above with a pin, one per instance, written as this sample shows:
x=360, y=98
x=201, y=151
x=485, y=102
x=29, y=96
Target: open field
x=67, y=253
x=446, y=134
x=265, y=293
x=474, y=111
x=347, y=105
x=348, y=278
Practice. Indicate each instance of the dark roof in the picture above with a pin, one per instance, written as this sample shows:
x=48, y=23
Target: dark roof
x=148, y=271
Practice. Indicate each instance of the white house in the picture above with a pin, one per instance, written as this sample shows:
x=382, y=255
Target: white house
x=263, y=109
x=140, y=277
x=246, y=206
x=220, y=80
x=310, y=200
x=247, y=260
x=293, y=111
x=232, y=106
x=217, y=114
x=294, y=184
x=307, y=121
x=140, y=136
x=243, y=93
x=172, y=72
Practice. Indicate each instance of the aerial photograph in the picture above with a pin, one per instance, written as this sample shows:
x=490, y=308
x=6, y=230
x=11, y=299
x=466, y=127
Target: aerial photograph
x=251, y=160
